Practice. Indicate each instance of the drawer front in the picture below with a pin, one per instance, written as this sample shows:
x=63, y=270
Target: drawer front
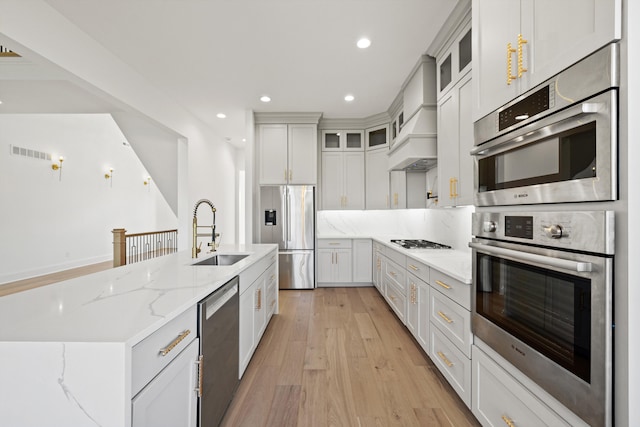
x=498, y=399
x=395, y=274
x=396, y=299
x=454, y=289
x=418, y=269
x=397, y=257
x=453, y=320
x=378, y=247
x=147, y=356
x=334, y=243
x=453, y=364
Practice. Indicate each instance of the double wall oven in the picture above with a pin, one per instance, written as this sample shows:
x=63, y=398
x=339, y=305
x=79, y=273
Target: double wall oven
x=542, y=266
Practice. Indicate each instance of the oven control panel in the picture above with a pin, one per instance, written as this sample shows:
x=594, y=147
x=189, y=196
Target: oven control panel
x=589, y=231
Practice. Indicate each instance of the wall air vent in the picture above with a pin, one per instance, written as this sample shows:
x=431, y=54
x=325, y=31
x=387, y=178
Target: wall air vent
x=28, y=152
x=5, y=52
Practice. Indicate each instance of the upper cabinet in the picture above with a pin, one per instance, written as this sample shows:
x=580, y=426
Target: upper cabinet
x=377, y=137
x=342, y=140
x=519, y=44
x=455, y=62
x=287, y=153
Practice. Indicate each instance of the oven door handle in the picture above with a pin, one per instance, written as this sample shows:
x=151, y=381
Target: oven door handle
x=564, y=264
x=523, y=136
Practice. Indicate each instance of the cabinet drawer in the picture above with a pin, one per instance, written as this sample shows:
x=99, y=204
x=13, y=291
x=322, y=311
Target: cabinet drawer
x=334, y=243
x=453, y=320
x=396, y=274
x=248, y=276
x=147, y=356
x=395, y=298
x=454, y=289
x=418, y=269
x=498, y=399
x=397, y=257
x=453, y=364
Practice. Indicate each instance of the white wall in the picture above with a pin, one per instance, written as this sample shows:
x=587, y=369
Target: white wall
x=50, y=224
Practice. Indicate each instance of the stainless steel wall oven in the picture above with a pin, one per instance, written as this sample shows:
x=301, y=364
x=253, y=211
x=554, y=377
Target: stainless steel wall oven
x=543, y=292
x=556, y=143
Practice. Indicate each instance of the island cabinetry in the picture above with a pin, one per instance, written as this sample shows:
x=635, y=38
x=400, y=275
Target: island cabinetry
x=519, y=44
x=334, y=261
x=256, y=306
x=287, y=154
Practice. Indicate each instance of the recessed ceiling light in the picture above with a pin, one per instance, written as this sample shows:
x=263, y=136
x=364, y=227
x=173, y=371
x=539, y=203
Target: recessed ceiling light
x=364, y=43
x=265, y=98
x=221, y=115
x=349, y=98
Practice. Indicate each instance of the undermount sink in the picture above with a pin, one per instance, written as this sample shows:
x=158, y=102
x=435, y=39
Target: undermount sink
x=222, y=259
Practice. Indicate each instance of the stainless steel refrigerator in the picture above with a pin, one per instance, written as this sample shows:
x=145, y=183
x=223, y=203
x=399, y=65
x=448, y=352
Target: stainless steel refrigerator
x=287, y=217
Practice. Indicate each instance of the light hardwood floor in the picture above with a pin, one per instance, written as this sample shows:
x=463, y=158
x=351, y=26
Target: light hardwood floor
x=340, y=357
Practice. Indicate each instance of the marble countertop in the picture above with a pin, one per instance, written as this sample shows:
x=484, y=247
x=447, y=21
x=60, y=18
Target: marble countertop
x=455, y=263
x=120, y=305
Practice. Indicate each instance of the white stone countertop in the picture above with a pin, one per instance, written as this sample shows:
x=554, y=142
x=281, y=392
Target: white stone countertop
x=455, y=263
x=119, y=305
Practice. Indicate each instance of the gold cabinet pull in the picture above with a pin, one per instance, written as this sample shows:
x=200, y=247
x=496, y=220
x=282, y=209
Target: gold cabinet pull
x=167, y=349
x=392, y=298
x=413, y=267
x=521, y=42
x=508, y=421
x=259, y=303
x=200, y=364
x=393, y=273
x=290, y=174
x=334, y=243
x=510, y=51
x=444, y=359
x=444, y=285
x=413, y=298
x=395, y=199
x=444, y=316
x=454, y=187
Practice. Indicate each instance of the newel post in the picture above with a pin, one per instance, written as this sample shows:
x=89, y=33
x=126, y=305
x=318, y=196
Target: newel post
x=119, y=247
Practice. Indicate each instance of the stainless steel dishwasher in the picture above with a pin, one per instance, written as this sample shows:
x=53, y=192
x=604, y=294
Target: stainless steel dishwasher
x=218, y=325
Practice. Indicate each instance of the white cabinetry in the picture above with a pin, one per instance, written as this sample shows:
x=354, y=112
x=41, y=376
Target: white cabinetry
x=378, y=260
x=377, y=137
x=258, y=301
x=499, y=399
x=398, y=187
x=519, y=44
x=170, y=399
x=418, y=310
x=343, y=180
x=377, y=179
x=455, y=62
x=164, y=372
x=334, y=261
x=455, y=141
x=362, y=250
x=287, y=153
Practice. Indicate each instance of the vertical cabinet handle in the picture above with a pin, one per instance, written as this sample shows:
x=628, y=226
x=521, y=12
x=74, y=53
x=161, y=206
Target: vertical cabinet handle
x=259, y=302
x=200, y=364
x=521, y=42
x=510, y=51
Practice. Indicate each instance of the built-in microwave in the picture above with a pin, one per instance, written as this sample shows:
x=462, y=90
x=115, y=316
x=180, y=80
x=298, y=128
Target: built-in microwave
x=556, y=143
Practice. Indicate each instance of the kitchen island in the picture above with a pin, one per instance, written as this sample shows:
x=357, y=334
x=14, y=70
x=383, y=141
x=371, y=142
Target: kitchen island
x=68, y=349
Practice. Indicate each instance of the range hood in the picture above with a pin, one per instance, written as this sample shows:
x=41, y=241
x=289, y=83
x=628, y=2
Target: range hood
x=415, y=147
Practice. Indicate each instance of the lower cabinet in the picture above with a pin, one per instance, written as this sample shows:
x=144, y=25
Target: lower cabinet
x=498, y=399
x=344, y=262
x=170, y=399
x=418, y=310
x=452, y=363
x=258, y=302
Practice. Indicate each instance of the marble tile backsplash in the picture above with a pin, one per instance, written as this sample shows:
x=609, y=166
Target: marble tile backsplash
x=450, y=226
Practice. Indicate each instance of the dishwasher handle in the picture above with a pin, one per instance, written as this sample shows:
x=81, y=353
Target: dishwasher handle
x=220, y=298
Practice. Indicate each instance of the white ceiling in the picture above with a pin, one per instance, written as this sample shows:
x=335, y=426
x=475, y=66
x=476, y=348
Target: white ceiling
x=215, y=56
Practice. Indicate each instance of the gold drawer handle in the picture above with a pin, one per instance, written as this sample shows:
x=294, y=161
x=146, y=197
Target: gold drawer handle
x=444, y=316
x=393, y=273
x=167, y=349
x=444, y=359
x=392, y=298
x=444, y=285
x=508, y=421
x=273, y=276
x=413, y=267
x=334, y=243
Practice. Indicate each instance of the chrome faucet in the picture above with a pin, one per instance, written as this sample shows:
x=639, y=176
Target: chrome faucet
x=195, y=250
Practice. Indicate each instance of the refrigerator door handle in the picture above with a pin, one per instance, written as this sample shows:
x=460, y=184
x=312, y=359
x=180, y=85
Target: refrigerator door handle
x=288, y=215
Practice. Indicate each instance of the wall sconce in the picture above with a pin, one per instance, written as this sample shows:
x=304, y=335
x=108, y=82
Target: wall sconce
x=109, y=176
x=58, y=167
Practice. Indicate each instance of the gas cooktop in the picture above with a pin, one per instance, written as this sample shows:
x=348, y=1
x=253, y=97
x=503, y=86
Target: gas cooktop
x=419, y=244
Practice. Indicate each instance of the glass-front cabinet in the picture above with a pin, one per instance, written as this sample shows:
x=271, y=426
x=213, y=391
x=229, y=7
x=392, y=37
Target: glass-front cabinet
x=336, y=140
x=377, y=137
x=455, y=62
